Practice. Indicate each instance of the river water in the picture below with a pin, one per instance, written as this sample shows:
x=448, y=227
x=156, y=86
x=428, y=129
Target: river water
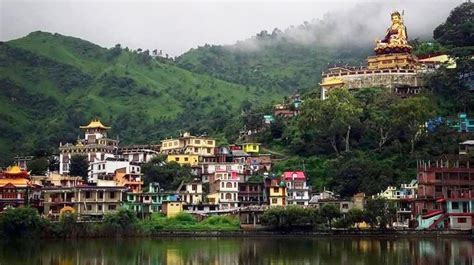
x=268, y=250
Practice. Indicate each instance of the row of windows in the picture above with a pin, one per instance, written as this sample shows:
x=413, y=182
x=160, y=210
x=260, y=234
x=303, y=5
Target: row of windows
x=228, y=185
x=110, y=207
x=100, y=195
x=453, y=175
x=228, y=196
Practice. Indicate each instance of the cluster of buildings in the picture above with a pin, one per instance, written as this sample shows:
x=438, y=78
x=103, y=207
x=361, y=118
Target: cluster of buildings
x=442, y=196
x=227, y=178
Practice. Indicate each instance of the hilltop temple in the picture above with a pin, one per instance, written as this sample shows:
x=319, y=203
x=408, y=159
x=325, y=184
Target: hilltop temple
x=393, y=66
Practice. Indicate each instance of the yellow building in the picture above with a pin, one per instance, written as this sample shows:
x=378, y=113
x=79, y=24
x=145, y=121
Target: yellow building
x=184, y=159
x=277, y=193
x=188, y=144
x=172, y=208
x=251, y=147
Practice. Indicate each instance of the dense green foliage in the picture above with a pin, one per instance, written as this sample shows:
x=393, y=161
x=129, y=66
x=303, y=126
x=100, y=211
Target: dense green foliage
x=26, y=222
x=79, y=166
x=38, y=166
x=52, y=84
x=185, y=222
x=290, y=60
x=458, y=30
x=379, y=213
x=168, y=175
x=369, y=139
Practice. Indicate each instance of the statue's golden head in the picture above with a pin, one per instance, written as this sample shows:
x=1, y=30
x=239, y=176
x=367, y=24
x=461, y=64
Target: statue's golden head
x=396, y=17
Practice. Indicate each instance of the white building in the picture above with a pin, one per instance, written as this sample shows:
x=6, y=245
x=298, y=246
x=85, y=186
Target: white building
x=104, y=170
x=209, y=169
x=138, y=153
x=297, y=190
x=95, y=146
x=191, y=193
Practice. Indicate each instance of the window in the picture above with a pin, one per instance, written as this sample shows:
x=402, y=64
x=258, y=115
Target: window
x=99, y=207
x=101, y=195
x=455, y=205
x=228, y=185
x=112, y=207
x=276, y=190
x=274, y=200
x=176, y=159
x=345, y=206
x=228, y=196
x=194, y=187
x=209, y=142
x=186, y=159
x=112, y=195
x=88, y=194
x=438, y=188
x=147, y=198
x=89, y=207
x=462, y=220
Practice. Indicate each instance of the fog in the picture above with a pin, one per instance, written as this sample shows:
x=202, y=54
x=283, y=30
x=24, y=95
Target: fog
x=176, y=27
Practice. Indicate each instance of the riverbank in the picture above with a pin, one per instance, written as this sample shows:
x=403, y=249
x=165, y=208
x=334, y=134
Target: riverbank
x=322, y=233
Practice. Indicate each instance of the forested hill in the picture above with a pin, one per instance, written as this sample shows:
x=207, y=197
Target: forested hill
x=273, y=60
x=51, y=84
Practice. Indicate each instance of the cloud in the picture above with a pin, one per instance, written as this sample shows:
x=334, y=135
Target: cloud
x=357, y=26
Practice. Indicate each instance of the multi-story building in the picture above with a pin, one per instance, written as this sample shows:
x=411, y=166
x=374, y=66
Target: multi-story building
x=251, y=193
x=16, y=189
x=183, y=159
x=208, y=170
x=444, y=195
x=403, y=198
x=297, y=190
x=88, y=202
x=95, y=146
x=138, y=153
x=149, y=201
x=224, y=190
x=188, y=144
x=105, y=169
x=191, y=193
x=277, y=193
x=132, y=181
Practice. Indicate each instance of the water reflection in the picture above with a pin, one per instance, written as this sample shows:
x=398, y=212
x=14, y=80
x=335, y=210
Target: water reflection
x=240, y=251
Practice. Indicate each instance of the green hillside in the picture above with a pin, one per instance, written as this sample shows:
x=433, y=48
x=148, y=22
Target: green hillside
x=279, y=61
x=51, y=84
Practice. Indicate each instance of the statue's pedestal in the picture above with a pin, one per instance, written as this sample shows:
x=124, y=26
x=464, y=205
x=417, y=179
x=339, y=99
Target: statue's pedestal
x=392, y=61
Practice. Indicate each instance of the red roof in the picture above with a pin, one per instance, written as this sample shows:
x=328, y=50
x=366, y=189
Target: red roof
x=289, y=175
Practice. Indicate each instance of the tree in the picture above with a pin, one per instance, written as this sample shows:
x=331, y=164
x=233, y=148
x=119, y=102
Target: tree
x=38, y=166
x=377, y=114
x=355, y=216
x=332, y=118
x=79, y=166
x=20, y=222
x=459, y=27
x=168, y=174
x=410, y=115
x=379, y=212
x=330, y=212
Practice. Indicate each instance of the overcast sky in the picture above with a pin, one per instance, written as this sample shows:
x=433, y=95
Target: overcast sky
x=175, y=27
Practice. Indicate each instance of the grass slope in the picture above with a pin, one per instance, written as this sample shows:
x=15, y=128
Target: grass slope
x=51, y=84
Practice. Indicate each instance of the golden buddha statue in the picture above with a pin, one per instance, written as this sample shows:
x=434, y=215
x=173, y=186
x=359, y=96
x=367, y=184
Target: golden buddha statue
x=395, y=40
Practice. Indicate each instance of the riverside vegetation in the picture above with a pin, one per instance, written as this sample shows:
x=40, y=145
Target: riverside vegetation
x=26, y=222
